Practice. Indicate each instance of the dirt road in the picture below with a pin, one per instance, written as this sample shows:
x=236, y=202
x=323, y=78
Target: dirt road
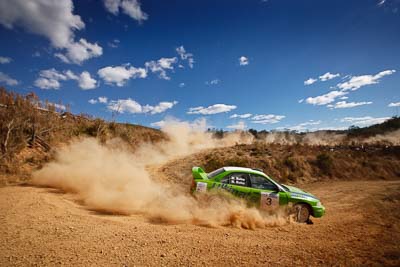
x=41, y=226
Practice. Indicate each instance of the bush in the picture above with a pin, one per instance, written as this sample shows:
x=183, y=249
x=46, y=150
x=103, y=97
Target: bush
x=290, y=163
x=325, y=163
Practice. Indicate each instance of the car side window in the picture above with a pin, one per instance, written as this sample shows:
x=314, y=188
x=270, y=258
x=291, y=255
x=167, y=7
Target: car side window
x=236, y=178
x=260, y=182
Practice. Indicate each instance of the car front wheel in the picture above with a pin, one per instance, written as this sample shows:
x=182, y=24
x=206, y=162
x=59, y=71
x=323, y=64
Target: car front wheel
x=302, y=213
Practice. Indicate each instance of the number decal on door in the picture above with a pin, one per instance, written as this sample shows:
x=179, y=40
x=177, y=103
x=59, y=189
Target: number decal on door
x=269, y=200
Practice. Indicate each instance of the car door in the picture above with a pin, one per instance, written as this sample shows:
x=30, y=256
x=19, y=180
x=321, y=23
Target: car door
x=268, y=194
x=238, y=184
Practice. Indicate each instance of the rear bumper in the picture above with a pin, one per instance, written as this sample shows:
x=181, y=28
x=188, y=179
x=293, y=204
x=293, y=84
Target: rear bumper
x=318, y=211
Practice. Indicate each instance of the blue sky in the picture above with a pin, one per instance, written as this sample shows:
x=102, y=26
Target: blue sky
x=238, y=64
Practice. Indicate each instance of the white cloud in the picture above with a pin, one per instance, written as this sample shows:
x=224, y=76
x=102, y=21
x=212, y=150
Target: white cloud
x=160, y=66
x=185, y=56
x=50, y=79
x=326, y=98
x=100, y=99
x=356, y=82
x=59, y=106
x=344, y=104
x=241, y=125
x=181, y=85
x=44, y=83
x=54, y=20
x=160, y=108
x=131, y=106
x=353, y=83
x=300, y=101
x=325, y=77
x=344, y=97
x=213, y=82
x=4, y=78
x=158, y=124
x=364, y=121
x=241, y=116
x=310, y=81
x=5, y=60
x=394, y=104
x=125, y=105
x=214, y=109
x=114, y=43
x=78, y=52
x=267, y=118
x=103, y=99
x=381, y=2
x=119, y=75
x=243, y=61
x=328, y=76
x=199, y=124
x=129, y=7
x=301, y=126
x=86, y=81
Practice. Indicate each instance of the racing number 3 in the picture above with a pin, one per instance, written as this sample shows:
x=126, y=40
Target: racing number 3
x=269, y=200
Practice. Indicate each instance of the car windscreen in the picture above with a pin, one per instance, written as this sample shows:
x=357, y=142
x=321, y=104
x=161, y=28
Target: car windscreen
x=215, y=173
x=284, y=187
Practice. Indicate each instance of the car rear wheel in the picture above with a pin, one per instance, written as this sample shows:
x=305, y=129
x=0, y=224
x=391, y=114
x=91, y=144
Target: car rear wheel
x=301, y=212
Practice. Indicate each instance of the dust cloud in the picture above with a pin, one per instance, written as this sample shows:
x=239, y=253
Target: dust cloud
x=392, y=138
x=325, y=138
x=108, y=178
x=320, y=138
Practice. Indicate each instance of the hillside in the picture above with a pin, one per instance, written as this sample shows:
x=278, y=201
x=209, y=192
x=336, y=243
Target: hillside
x=295, y=164
x=31, y=130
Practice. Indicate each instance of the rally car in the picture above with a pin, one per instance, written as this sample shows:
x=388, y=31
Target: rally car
x=259, y=190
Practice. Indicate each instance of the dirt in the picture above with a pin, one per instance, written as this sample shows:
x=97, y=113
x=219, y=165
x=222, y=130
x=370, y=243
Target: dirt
x=41, y=226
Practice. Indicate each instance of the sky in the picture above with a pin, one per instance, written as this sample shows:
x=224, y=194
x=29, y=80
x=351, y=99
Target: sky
x=243, y=64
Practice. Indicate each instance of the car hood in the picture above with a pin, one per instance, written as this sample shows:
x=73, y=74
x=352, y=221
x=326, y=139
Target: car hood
x=298, y=192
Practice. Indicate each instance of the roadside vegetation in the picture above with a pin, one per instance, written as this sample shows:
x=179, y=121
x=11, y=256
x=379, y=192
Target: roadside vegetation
x=30, y=129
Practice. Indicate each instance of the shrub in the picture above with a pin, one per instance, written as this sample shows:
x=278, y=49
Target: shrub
x=325, y=163
x=290, y=162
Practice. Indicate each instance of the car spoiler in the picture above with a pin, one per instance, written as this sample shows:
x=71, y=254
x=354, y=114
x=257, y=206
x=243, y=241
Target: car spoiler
x=199, y=173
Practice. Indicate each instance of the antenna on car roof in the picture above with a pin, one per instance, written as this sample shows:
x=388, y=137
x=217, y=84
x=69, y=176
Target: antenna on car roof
x=257, y=169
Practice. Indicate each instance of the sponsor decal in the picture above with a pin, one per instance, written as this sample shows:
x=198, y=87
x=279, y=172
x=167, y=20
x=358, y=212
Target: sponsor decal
x=303, y=196
x=201, y=187
x=230, y=189
x=238, y=180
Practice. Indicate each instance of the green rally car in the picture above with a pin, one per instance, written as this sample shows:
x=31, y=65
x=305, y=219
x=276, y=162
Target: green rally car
x=259, y=190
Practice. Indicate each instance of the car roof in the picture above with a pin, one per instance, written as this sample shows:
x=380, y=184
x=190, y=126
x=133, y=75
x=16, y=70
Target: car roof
x=242, y=169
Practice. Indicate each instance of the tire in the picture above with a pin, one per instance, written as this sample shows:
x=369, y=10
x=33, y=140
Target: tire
x=301, y=213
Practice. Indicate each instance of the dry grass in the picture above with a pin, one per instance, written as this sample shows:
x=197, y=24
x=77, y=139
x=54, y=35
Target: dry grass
x=30, y=130
x=294, y=164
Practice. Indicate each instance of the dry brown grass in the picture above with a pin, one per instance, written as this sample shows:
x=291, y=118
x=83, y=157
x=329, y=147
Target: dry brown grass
x=30, y=130
x=294, y=164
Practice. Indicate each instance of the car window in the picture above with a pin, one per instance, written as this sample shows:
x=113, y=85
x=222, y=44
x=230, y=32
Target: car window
x=236, y=178
x=260, y=182
x=215, y=173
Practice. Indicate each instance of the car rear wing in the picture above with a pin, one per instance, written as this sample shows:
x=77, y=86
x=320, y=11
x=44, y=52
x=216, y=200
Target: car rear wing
x=199, y=173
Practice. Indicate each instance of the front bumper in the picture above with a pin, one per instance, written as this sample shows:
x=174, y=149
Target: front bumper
x=318, y=211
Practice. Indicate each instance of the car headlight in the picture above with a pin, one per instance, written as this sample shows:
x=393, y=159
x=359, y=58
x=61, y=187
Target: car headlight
x=319, y=204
